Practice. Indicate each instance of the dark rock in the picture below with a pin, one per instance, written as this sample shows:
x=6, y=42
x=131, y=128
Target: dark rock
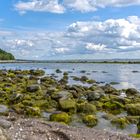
x=132, y=91
x=110, y=90
x=58, y=71
x=33, y=88
x=135, y=71
x=82, y=71
x=95, y=95
x=16, y=97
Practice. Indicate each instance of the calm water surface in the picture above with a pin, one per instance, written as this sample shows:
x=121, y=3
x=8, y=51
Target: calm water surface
x=128, y=75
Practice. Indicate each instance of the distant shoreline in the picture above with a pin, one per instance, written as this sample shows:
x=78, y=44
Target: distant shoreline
x=73, y=61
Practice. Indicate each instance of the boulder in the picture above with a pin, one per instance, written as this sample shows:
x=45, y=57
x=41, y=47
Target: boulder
x=95, y=95
x=61, y=95
x=132, y=91
x=37, y=72
x=60, y=117
x=133, y=109
x=108, y=89
x=90, y=120
x=113, y=107
x=33, y=88
x=86, y=108
x=67, y=104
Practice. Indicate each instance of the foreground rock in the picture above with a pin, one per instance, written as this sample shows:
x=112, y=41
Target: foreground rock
x=38, y=129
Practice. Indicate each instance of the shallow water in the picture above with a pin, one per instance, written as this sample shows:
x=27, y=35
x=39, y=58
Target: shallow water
x=127, y=75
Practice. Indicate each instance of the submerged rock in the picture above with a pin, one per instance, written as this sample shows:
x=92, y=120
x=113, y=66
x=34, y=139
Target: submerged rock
x=58, y=71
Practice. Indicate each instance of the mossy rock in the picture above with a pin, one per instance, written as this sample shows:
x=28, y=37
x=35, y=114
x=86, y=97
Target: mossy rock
x=120, y=122
x=28, y=102
x=33, y=88
x=33, y=111
x=86, y=108
x=61, y=95
x=90, y=120
x=110, y=90
x=98, y=104
x=90, y=81
x=132, y=91
x=68, y=105
x=15, y=98
x=104, y=99
x=113, y=107
x=37, y=72
x=133, y=109
x=11, y=75
x=133, y=119
x=18, y=108
x=60, y=117
x=94, y=95
x=134, y=135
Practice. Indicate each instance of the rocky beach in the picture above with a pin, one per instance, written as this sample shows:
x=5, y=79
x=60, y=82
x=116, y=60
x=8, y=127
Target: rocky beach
x=35, y=106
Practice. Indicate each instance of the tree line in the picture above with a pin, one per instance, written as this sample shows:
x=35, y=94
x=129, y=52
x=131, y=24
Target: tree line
x=5, y=55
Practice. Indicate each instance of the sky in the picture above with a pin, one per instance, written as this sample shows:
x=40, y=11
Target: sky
x=70, y=29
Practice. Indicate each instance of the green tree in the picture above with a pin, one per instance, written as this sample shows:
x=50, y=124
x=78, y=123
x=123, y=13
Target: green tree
x=5, y=55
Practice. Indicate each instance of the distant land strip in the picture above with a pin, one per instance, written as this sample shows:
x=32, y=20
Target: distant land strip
x=74, y=61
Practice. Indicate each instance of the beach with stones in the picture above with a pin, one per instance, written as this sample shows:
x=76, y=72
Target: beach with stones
x=36, y=106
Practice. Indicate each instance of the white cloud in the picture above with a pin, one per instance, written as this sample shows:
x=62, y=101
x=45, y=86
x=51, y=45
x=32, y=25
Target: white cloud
x=57, y=6
x=84, y=5
x=40, y=5
x=61, y=50
x=116, y=37
x=95, y=47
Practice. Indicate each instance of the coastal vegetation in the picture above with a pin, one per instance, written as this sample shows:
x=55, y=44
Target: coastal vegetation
x=5, y=55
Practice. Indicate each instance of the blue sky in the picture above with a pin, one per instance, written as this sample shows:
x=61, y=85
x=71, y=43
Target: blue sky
x=70, y=29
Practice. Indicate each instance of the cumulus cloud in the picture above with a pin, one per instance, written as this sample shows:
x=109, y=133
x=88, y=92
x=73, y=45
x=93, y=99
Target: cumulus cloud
x=57, y=6
x=61, y=50
x=93, y=5
x=40, y=5
x=112, y=36
x=95, y=47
